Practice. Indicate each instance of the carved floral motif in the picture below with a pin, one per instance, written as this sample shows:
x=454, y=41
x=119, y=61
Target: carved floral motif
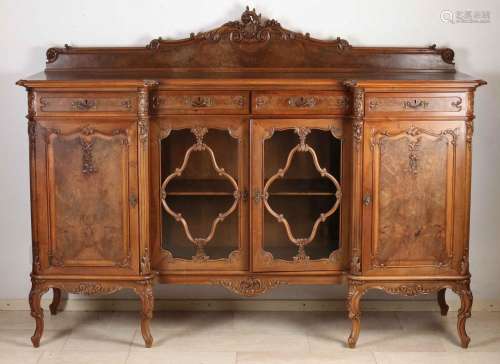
x=249, y=286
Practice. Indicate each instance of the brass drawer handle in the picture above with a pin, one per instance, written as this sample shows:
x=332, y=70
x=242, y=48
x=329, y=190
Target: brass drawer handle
x=415, y=104
x=202, y=102
x=84, y=105
x=367, y=200
x=302, y=101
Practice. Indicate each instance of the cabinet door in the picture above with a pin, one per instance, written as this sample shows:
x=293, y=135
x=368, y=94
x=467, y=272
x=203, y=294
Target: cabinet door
x=414, y=179
x=86, y=193
x=296, y=195
x=200, y=197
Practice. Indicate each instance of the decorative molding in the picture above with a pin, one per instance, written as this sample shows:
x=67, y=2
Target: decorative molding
x=249, y=286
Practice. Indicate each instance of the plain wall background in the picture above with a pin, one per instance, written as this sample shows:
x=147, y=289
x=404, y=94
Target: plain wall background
x=29, y=27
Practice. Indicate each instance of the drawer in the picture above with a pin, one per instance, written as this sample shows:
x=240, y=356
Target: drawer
x=85, y=102
x=405, y=103
x=309, y=102
x=196, y=102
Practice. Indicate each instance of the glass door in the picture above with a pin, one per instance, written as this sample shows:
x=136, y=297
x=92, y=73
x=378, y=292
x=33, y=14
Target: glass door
x=297, y=194
x=203, y=193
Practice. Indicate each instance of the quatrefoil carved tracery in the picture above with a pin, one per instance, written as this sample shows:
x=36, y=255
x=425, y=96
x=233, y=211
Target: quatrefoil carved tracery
x=200, y=146
x=302, y=147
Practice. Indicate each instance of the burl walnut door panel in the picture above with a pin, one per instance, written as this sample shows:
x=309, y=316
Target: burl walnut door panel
x=296, y=195
x=86, y=176
x=199, y=197
x=414, y=179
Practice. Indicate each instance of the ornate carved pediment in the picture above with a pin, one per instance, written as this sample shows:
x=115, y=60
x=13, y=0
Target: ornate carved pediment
x=251, y=28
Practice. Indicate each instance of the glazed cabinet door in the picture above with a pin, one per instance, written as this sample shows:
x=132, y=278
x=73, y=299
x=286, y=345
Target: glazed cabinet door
x=297, y=215
x=413, y=197
x=200, y=193
x=86, y=196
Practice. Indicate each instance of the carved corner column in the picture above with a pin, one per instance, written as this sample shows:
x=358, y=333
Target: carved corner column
x=357, y=172
x=144, y=289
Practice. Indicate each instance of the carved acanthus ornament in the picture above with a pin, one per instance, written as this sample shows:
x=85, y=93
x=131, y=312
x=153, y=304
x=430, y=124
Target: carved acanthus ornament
x=358, y=113
x=143, y=113
x=90, y=288
x=249, y=286
x=145, y=262
x=410, y=289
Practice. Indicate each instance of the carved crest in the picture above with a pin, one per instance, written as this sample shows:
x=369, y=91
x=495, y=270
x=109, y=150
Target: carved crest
x=251, y=28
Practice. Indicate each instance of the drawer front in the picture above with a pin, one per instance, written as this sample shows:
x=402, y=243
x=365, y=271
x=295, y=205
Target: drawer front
x=196, y=102
x=85, y=102
x=404, y=103
x=309, y=102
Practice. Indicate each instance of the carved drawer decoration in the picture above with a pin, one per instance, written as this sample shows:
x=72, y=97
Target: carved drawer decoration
x=189, y=102
x=410, y=103
x=316, y=102
x=55, y=102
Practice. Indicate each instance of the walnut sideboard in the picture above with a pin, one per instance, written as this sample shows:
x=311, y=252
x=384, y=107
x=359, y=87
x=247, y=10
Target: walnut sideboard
x=250, y=156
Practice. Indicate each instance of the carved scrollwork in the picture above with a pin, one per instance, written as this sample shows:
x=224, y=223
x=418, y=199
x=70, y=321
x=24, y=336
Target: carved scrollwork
x=249, y=286
x=90, y=288
x=410, y=289
x=200, y=146
x=252, y=29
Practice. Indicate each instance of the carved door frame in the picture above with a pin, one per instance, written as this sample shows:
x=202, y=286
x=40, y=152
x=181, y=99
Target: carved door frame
x=237, y=127
x=86, y=130
x=453, y=134
x=262, y=260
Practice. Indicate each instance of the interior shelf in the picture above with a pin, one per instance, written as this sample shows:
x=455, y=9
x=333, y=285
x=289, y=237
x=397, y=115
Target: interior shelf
x=194, y=193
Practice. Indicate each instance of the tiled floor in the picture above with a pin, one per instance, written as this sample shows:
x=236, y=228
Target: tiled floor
x=248, y=338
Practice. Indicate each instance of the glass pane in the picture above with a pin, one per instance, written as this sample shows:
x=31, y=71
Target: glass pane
x=200, y=214
x=300, y=194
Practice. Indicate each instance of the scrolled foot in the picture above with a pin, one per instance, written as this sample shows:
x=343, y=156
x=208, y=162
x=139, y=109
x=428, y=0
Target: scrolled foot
x=56, y=300
x=442, y=302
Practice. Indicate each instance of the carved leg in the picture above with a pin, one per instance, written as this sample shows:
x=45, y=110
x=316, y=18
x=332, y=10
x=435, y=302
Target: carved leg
x=35, y=297
x=145, y=293
x=442, y=302
x=465, y=294
x=56, y=300
x=356, y=291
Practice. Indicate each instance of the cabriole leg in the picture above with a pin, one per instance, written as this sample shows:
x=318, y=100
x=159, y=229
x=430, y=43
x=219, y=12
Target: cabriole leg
x=356, y=291
x=56, y=300
x=463, y=291
x=145, y=292
x=36, y=293
x=442, y=302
